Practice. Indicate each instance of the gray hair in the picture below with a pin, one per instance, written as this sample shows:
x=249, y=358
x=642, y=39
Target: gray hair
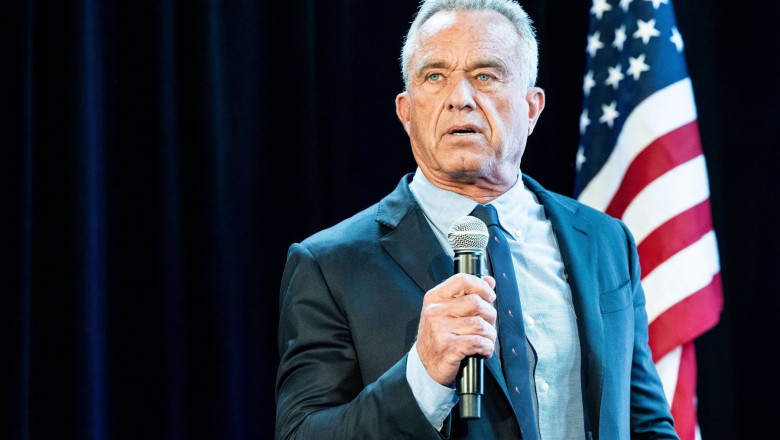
x=527, y=50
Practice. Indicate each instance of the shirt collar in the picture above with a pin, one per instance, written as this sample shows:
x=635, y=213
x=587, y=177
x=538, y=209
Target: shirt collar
x=443, y=207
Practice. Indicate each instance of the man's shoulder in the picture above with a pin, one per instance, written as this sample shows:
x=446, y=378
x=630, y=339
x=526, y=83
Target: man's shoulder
x=351, y=230
x=367, y=226
x=597, y=218
x=580, y=208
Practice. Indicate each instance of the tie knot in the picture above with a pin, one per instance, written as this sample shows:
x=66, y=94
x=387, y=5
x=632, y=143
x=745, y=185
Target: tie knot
x=486, y=213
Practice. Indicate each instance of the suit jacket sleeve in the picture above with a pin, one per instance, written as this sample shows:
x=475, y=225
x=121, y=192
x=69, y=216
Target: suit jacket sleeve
x=650, y=417
x=320, y=391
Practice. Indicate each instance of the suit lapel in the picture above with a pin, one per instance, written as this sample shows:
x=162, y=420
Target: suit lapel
x=578, y=250
x=411, y=242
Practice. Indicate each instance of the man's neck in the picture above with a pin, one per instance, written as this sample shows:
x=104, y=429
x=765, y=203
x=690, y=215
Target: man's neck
x=480, y=190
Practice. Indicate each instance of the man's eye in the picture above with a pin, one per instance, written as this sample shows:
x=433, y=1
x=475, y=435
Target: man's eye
x=434, y=77
x=484, y=77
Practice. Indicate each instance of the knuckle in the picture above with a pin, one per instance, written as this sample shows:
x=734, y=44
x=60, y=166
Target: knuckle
x=436, y=340
x=477, y=303
x=474, y=301
x=489, y=314
x=434, y=325
x=475, y=323
x=431, y=310
x=484, y=345
x=462, y=280
x=461, y=277
x=458, y=282
x=490, y=347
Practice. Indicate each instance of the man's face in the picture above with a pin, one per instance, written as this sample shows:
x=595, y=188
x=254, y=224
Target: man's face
x=466, y=110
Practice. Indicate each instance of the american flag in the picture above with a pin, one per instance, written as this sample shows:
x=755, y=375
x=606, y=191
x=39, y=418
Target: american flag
x=640, y=160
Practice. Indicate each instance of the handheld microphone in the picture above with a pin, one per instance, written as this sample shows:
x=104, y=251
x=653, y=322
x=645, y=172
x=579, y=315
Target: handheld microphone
x=468, y=237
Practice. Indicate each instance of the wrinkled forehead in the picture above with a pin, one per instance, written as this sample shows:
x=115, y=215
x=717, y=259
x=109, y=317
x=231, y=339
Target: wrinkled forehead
x=476, y=31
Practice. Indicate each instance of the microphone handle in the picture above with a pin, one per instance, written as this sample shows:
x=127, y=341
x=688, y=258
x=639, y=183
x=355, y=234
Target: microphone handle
x=469, y=383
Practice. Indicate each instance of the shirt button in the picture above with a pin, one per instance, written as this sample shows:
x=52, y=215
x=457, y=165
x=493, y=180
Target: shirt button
x=444, y=407
x=545, y=386
x=531, y=321
x=519, y=234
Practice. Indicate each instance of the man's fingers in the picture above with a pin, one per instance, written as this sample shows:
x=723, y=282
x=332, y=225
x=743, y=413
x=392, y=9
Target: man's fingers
x=474, y=325
x=462, y=284
x=474, y=345
x=490, y=281
x=472, y=305
x=462, y=335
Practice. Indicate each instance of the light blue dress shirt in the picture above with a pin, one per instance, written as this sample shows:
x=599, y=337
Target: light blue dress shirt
x=548, y=311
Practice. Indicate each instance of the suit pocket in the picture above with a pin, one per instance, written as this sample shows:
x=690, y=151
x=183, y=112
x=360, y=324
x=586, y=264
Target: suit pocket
x=616, y=300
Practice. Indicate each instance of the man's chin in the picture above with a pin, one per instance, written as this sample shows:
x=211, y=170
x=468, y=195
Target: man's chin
x=467, y=170
x=485, y=171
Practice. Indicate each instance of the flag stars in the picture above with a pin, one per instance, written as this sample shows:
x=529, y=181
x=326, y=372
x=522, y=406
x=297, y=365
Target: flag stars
x=609, y=115
x=581, y=159
x=588, y=83
x=584, y=121
x=646, y=30
x=615, y=76
x=600, y=7
x=594, y=43
x=637, y=66
x=658, y=3
x=676, y=39
x=620, y=38
x=624, y=4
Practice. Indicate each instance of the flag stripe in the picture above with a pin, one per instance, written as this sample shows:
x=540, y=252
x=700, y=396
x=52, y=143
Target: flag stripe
x=662, y=155
x=684, y=402
x=654, y=205
x=662, y=112
x=686, y=272
x=668, y=367
x=674, y=236
x=675, y=326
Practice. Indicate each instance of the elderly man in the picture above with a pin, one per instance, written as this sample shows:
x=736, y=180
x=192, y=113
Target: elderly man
x=374, y=325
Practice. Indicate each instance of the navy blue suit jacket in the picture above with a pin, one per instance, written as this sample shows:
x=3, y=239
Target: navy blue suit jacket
x=350, y=304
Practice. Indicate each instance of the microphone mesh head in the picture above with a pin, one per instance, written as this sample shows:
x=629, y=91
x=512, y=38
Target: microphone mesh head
x=468, y=233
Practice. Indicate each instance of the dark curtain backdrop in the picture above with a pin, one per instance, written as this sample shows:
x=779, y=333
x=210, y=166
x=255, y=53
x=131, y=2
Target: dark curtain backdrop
x=160, y=156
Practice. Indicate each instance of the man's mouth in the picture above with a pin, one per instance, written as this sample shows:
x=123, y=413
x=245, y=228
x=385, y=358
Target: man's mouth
x=463, y=130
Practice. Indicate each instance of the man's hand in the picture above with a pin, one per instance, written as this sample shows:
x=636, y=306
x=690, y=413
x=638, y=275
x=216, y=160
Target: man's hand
x=457, y=320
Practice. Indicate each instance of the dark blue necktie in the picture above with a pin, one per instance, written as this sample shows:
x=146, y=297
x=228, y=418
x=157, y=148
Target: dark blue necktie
x=511, y=332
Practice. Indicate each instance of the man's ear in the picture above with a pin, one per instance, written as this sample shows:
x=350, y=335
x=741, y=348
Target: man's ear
x=535, y=99
x=403, y=109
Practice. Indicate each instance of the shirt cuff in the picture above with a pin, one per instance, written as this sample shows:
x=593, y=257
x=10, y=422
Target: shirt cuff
x=434, y=399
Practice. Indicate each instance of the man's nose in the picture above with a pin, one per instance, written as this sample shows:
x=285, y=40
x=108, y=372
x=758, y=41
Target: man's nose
x=461, y=95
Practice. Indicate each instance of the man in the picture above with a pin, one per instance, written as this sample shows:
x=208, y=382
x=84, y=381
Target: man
x=374, y=325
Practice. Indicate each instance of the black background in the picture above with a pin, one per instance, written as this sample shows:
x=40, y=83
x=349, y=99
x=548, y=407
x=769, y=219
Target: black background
x=161, y=156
